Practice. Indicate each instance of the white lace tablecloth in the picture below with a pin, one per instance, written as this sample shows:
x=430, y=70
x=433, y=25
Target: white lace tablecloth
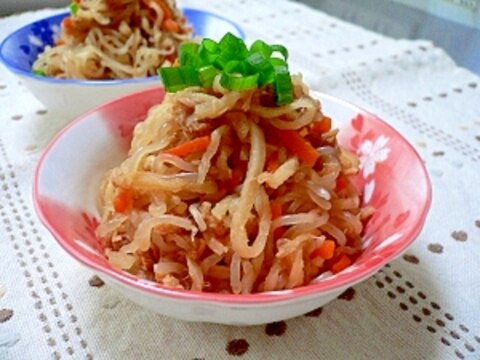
x=424, y=305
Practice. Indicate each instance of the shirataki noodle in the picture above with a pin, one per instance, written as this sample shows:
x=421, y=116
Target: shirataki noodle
x=118, y=39
x=210, y=198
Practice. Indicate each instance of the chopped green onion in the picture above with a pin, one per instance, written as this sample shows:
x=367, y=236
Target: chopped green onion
x=240, y=68
x=74, y=8
x=281, y=49
x=208, y=51
x=39, y=72
x=188, y=53
x=263, y=67
x=283, y=89
x=178, y=78
x=261, y=47
x=239, y=83
x=233, y=46
x=283, y=82
x=209, y=45
x=222, y=60
x=207, y=74
x=232, y=67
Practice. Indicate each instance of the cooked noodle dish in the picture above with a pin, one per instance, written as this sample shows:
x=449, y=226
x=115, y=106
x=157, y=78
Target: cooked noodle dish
x=235, y=182
x=114, y=39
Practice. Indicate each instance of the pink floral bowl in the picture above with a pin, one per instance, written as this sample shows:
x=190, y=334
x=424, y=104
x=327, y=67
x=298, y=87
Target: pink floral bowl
x=393, y=179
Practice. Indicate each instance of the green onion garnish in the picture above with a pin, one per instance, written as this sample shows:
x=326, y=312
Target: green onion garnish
x=178, y=78
x=39, y=72
x=239, y=83
x=282, y=83
x=74, y=8
x=240, y=68
x=206, y=75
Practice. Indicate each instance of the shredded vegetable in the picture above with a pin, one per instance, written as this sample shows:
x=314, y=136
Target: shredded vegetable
x=298, y=145
x=193, y=146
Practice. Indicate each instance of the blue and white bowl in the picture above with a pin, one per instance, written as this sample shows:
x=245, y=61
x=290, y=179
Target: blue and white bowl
x=70, y=98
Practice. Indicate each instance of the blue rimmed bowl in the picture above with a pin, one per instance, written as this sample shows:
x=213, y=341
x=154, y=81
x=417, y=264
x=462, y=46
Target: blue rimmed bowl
x=70, y=98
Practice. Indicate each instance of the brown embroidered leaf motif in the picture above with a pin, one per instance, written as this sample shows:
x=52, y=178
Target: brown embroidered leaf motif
x=435, y=248
x=95, y=281
x=347, y=295
x=315, y=312
x=5, y=315
x=277, y=328
x=237, y=347
x=412, y=259
x=460, y=235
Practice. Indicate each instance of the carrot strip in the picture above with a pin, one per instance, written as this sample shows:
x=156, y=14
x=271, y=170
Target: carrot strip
x=272, y=162
x=278, y=233
x=68, y=23
x=321, y=126
x=193, y=146
x=341, y=264
x=171, y=25
x=299, y=146
x=325, y=251
x=341, y=183
x=123, y=201
x=276, y=210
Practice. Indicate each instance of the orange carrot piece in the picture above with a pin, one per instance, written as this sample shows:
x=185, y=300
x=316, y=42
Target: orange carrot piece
x=123, y=201
x=276, y=210
x=171, y=25
x=190, y=147
x=278, y=233
x=325, y=251
x=341, y=183
x=299, y=146
x=68, y=23
x=321, y=126
x=341, y=264
x=272, y=162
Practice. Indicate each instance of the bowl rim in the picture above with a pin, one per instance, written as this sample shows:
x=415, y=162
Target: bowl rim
x=97, y=83
x=324, y=286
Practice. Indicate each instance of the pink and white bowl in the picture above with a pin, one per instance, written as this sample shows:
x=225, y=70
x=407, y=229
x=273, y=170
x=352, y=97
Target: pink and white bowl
x=393, y=179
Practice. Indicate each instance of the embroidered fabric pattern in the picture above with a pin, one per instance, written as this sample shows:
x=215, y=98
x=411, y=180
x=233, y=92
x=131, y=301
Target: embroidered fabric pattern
x=51, y=307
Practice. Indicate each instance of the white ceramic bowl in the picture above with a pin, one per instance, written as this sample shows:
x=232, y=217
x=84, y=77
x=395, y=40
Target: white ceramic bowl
x=70, y=98
x=393, y=179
